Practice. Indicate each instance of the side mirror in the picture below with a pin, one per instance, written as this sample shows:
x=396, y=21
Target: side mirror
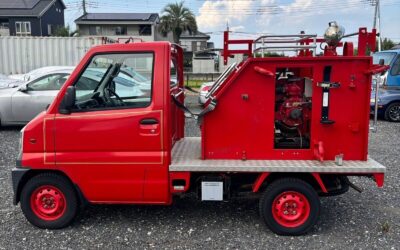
x=68, y=101
x=23, y=88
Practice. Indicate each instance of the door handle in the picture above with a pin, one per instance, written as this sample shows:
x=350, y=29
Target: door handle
x=149, y=121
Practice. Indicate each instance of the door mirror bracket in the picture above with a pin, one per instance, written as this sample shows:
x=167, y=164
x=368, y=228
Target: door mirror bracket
x=68, y=101
x=23, y=88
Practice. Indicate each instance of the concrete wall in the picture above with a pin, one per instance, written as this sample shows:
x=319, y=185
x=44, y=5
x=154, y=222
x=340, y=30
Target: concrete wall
x=207, y=65
x=203, y=66
x=237, y=58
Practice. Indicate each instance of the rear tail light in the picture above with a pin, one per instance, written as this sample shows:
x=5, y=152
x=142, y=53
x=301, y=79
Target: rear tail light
x=206, y=88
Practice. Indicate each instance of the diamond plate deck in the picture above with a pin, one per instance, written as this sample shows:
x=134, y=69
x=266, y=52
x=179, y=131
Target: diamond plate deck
x=186, y=157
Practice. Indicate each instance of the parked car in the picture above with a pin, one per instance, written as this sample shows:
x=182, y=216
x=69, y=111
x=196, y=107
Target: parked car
x=18, y=105
x=388, y=104
x=6, y=82
x=36, y=73
x=389, y=93
x=392, y=58
x=205, y=87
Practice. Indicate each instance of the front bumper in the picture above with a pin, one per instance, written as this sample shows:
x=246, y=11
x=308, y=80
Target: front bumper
x=17, y=174
x=381, y=109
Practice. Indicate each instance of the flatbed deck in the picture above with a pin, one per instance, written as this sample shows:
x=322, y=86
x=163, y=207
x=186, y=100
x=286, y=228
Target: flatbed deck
x=186, y=156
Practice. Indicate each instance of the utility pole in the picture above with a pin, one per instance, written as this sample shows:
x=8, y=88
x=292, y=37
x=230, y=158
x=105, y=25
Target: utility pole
x=377, y=19
x=84, y=7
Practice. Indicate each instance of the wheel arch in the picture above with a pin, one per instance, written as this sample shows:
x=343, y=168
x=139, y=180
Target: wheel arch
x=314, y=179
x=34, y=172
x=388, y=105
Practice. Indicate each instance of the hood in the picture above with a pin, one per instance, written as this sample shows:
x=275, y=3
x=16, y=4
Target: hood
x=19, y=77
x=389, y=92
x=7, y=92
x=10, y=83
x=34, y=74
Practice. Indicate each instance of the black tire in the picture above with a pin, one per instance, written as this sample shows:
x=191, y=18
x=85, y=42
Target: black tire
x=278, y=189
x=392, y=112
x=63, y=192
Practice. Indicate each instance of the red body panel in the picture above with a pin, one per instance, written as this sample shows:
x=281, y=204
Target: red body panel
x=243, y=128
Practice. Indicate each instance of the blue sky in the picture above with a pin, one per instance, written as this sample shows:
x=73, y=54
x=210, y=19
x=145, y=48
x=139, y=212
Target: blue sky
x=249, y=18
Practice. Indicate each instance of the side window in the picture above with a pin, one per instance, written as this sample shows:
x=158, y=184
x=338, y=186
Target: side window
x=115, y=81
x=396, y=67
x=49, y=82
x=173, y=74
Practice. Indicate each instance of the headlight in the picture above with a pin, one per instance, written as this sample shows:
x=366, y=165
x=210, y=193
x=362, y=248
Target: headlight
x=21, y=144
x=373, y=100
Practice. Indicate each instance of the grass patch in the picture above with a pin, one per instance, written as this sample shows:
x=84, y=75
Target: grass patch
x=385, y=227
x=195, y=83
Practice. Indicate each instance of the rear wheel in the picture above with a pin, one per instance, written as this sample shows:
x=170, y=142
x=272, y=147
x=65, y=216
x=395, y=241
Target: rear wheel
x=392, y=112
x=49, y=201
x=290, y=206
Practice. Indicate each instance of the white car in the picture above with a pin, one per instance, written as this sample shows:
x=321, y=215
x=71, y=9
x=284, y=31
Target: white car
x=205, y=87
x=39, y=72
x=6, y=82
x=19, y=104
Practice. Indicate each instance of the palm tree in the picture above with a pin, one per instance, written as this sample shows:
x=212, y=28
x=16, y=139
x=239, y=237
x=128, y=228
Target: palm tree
x=176, y=18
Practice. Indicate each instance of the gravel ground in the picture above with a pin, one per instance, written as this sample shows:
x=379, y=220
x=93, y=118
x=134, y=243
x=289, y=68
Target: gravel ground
x=367, y=220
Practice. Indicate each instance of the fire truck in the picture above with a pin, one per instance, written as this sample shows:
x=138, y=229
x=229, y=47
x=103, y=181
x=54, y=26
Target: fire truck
x=288, y=129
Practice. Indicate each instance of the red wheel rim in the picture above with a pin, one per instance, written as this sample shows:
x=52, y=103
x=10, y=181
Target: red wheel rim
x=291, y=209
x=48, y=203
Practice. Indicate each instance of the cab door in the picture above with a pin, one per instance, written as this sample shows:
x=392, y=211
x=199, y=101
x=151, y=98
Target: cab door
x=115, y=131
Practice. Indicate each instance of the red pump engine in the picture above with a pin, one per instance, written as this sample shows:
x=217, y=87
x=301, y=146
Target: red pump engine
x=292, y=109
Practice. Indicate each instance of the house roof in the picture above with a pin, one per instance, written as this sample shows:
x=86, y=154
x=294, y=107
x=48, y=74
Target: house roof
x=26, y=8
x=95, y=17
x=197, y=35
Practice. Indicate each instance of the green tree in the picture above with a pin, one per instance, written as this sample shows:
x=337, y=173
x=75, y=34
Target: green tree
x=61, y=31
x=387, y=44
x=64, y=31
x=177, y=18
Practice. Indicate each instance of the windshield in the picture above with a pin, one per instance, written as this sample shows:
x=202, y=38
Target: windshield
x=386, y=56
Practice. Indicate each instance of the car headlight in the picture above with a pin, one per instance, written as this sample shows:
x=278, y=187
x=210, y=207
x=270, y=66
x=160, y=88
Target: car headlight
x=21, y=144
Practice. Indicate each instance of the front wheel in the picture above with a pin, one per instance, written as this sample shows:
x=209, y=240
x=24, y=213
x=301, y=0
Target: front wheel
x=49, y=201
x=392, y=112
x=290, y=206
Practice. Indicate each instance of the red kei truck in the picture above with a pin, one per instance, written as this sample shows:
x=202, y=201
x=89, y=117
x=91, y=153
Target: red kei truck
x=290, y=129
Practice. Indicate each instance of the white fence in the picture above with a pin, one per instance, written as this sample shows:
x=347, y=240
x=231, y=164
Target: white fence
x=19, y=55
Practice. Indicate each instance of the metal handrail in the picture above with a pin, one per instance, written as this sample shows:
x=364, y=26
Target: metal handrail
x=283, y=39
x=374, y=127
x=221, y=79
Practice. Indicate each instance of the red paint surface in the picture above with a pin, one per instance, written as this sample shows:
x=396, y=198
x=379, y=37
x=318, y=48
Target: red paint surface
x=237, y=127
x=48, y=203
